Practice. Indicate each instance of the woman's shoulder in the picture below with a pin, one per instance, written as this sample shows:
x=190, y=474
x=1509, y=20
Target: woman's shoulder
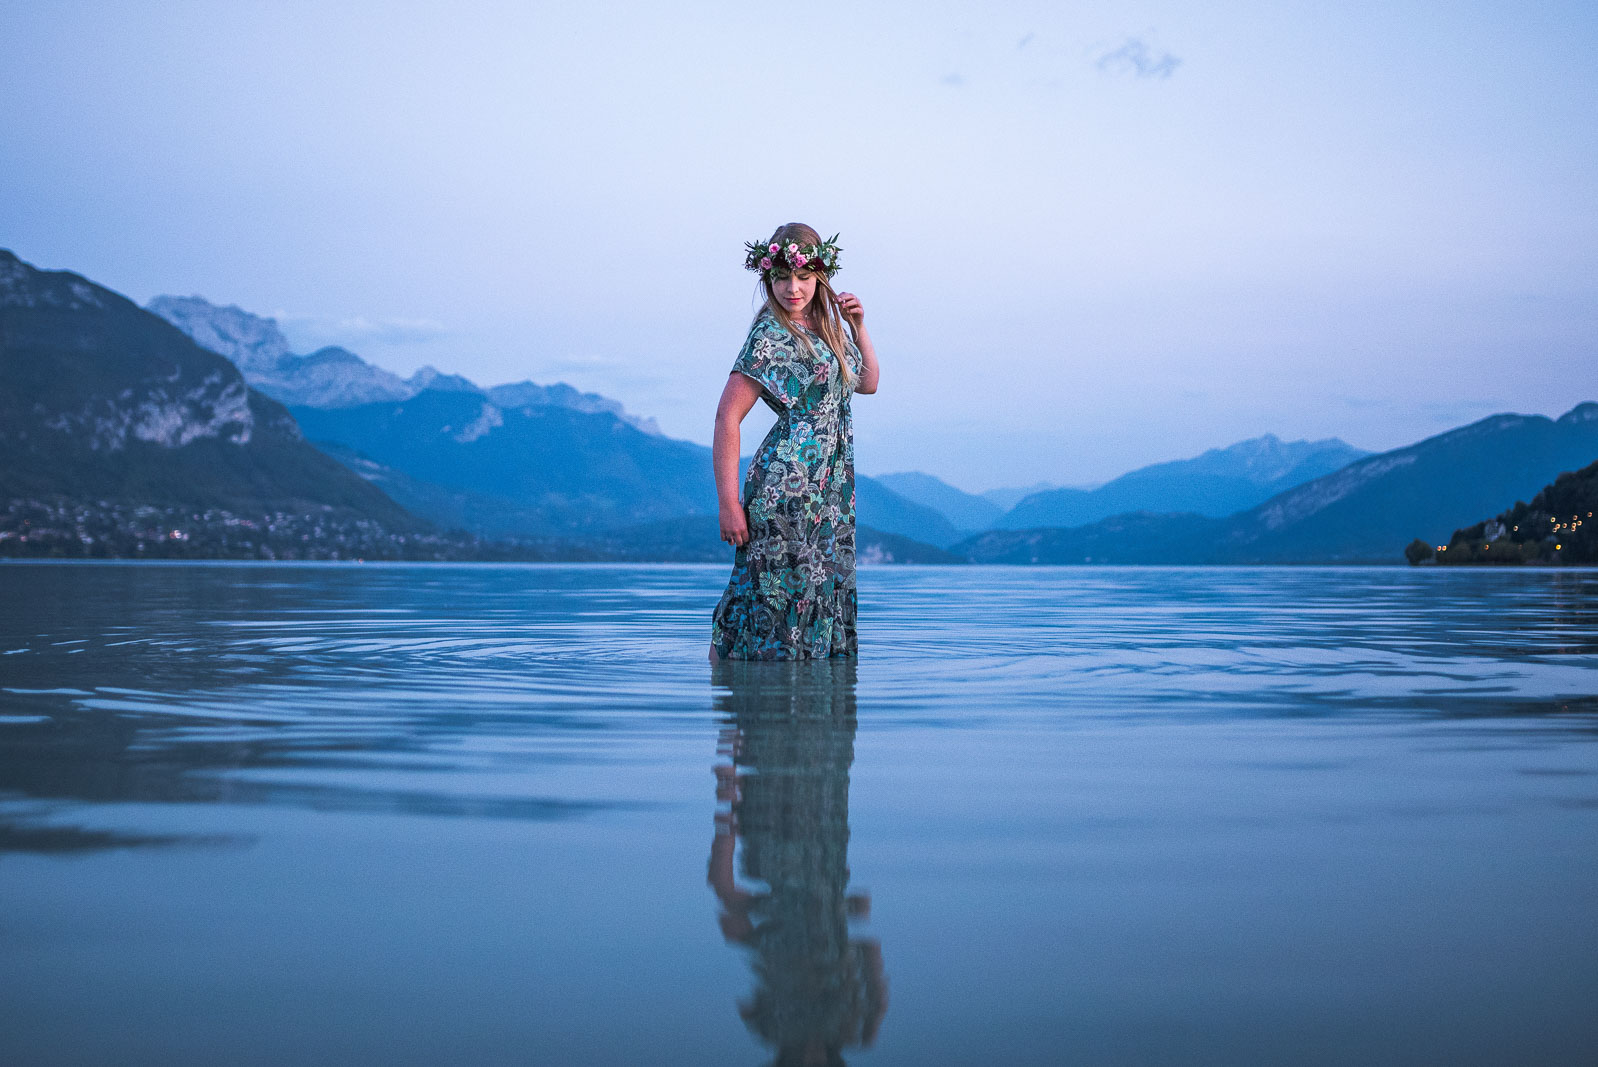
x=766, y=322
x=768, y=340
x=767, y=328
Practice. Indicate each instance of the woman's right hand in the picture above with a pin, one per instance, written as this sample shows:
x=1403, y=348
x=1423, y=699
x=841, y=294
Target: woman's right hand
x=734, y=527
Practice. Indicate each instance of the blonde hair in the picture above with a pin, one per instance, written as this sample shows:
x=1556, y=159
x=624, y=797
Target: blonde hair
x=821, y=314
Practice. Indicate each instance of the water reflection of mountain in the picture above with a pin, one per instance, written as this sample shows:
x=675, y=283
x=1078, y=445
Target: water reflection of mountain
x=788, y=741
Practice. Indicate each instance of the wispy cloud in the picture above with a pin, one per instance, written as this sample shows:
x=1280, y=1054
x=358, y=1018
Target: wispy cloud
x=1137, y=57
x=1025, y=40
x=952, y=79
x=360, y=330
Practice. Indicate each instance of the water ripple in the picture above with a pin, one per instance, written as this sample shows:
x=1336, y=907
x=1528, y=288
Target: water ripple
x=413, y=687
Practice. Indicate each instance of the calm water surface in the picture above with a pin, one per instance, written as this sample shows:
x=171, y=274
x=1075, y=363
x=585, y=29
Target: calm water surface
x=261, y=814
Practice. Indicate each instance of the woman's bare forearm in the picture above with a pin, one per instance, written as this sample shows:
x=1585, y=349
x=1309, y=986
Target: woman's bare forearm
x=724, y=456
x=737, y=398
x=869, y=372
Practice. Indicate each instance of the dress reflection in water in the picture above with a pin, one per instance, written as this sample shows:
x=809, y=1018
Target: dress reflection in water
x=789, y=739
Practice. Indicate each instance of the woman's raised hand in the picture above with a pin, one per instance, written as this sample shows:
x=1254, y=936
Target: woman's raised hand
x=849, y=305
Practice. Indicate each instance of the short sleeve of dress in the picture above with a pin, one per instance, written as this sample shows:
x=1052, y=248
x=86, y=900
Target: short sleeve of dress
x=770, y=356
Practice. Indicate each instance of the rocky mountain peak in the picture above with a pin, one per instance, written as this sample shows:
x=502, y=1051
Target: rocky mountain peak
x=430, y=377
x=252, y=343
x=335, y=377
x=87, y=370
x=1587, y=412
x=328, y=377
x=561, y=395
x=22, y=285
x=332, y=354
x=1268, y=458
x=12, y=271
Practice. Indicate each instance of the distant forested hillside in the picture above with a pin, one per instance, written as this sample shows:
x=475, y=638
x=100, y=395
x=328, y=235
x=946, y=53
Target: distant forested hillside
x=1556, y=527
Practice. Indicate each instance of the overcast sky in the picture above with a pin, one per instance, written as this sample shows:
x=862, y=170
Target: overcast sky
x=1088, y=236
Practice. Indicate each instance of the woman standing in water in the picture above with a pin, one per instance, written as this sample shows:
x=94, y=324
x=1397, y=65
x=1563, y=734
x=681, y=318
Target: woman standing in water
x=792, y=592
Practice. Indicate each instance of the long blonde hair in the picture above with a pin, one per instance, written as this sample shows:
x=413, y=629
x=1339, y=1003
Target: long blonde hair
x=821, y=314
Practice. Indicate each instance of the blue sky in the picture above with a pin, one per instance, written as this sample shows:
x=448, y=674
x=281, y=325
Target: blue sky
x=1088, y=236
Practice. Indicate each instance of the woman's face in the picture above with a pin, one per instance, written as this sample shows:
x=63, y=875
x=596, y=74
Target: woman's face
x=795, y=291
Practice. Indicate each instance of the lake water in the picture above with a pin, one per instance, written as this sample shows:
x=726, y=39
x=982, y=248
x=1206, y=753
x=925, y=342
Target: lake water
x=265, y=814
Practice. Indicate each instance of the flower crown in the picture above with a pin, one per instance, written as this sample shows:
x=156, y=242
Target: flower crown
x=771, y=258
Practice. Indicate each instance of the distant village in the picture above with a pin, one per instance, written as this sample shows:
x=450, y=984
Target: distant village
x=108, y=530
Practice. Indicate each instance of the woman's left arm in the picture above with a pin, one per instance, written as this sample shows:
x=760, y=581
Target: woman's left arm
x=849, y=304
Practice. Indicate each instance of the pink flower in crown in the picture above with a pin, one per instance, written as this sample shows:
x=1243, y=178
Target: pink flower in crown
x=792, y=249
x=774, y=249
x=800, y=260
x=765, y=263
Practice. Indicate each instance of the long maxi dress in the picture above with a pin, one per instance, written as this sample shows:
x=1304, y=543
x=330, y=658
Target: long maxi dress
x=792, y=591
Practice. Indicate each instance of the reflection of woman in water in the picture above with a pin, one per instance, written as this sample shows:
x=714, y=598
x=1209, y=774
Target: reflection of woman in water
x=790, y=738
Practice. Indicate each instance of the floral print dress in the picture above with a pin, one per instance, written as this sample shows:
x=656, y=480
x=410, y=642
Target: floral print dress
x=792, y=592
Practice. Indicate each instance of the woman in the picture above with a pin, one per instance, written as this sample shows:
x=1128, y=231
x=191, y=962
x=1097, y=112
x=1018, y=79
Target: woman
x=792, y=593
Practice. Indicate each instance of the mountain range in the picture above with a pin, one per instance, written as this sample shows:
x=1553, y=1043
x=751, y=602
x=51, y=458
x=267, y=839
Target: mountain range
x=511, y=461
x=1365, y=512
x=533, y=471
x=120, y=435
x=334, y=377
x=107, y=406
x=1220, y=482
x=1007, y=497
x=102, y=401
x=966, y=512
